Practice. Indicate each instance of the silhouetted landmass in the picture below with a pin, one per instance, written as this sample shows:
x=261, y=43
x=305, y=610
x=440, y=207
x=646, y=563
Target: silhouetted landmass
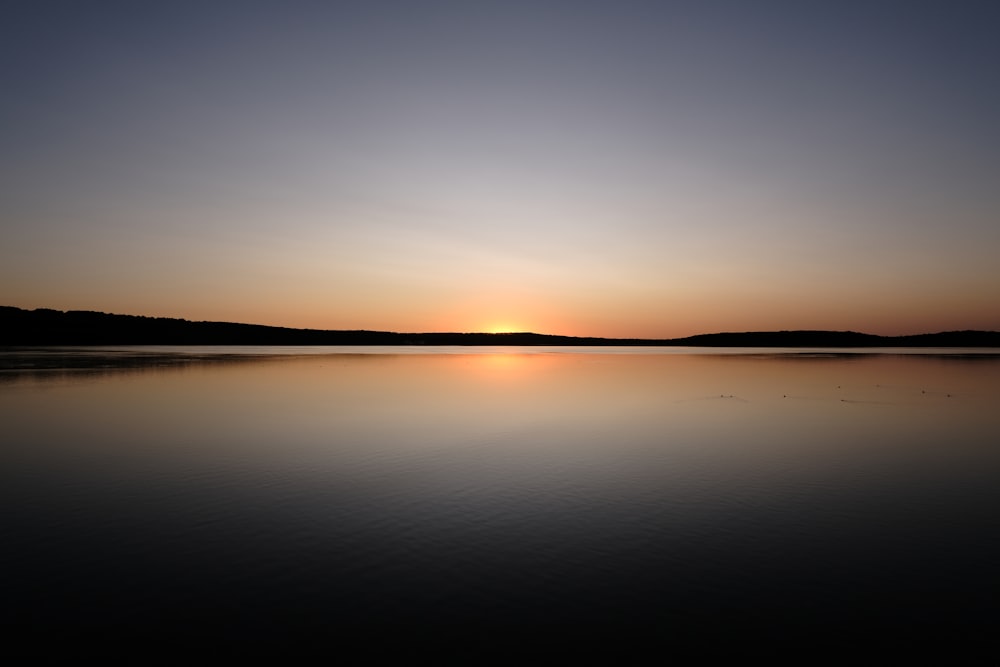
x=77, y=327
x=841, y=339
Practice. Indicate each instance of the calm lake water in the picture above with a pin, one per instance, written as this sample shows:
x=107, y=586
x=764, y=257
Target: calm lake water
x=356, y=494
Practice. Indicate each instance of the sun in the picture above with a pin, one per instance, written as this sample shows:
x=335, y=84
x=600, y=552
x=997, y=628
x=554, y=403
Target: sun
x=502, y=328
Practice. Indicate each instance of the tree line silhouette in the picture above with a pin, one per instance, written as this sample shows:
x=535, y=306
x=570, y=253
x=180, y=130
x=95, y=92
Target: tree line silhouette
x=76, y=327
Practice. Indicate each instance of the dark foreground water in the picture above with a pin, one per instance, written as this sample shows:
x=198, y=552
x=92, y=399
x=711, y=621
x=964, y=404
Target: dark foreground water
x=595, y=500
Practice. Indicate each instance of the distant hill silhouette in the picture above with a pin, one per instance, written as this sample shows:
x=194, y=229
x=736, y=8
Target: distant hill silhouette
x=78, y=327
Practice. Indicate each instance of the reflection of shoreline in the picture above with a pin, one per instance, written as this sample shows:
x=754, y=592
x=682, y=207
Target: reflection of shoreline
x=946, y=354
x=59, y=365
x=67, y=363
x=62, y=363
x=41, y=365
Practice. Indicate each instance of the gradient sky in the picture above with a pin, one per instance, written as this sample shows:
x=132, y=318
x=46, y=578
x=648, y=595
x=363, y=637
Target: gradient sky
x=615, y=168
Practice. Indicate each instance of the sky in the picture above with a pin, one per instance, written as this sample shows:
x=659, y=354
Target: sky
x=593, y=168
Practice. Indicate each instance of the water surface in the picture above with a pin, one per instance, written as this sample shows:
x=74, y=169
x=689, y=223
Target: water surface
x=326, y=494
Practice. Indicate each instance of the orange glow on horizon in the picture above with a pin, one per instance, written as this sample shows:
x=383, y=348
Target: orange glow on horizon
x=503, y=328
x=680, y=316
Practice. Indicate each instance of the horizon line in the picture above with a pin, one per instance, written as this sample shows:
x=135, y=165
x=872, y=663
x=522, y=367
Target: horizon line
x=510, y=333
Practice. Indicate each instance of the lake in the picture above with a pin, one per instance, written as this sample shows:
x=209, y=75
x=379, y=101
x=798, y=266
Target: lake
x=591, y=496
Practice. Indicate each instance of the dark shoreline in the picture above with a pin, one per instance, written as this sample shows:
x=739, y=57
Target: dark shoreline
x=53, y=327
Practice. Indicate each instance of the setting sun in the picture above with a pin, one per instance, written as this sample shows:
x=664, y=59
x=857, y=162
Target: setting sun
x=503, y=328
